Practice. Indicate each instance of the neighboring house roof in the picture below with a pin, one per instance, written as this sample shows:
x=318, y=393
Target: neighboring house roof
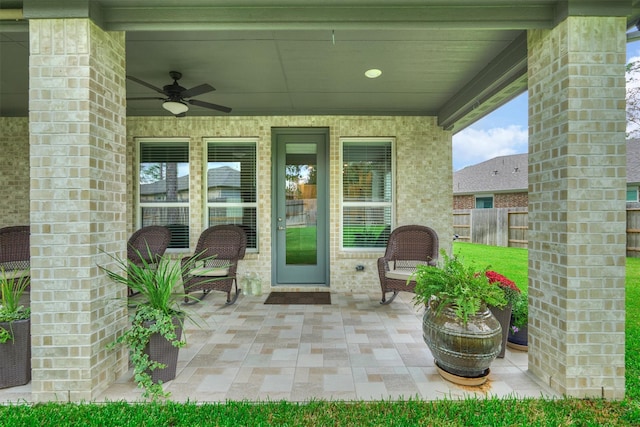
x=508, y=174
x=633, y=161
x=497, y=175
x=222, y=177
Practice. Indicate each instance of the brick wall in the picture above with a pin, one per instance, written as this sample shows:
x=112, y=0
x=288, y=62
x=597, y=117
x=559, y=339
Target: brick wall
x=500, y=200
x=78, y=210
x=14, y=171
x=577, y=206
x=419, y=147
x=510, y=200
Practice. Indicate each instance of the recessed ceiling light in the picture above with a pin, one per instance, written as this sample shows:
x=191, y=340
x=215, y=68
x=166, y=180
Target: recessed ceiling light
x=373, y=73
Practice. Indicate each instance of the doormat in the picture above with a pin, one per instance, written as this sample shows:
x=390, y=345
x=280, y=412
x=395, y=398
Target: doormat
x=299, y=298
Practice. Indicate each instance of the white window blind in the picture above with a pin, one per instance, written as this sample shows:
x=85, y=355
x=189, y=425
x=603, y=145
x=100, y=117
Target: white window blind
x=367, y=192
x=231, y=186
x=164, y=188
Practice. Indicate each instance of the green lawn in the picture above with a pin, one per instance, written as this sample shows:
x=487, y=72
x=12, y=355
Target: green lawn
x=301, y=245
x=512, y=263
x=410, y=412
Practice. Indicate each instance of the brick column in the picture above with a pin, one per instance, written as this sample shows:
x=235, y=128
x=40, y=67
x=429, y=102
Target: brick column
x=577, y=183
x=78, y=211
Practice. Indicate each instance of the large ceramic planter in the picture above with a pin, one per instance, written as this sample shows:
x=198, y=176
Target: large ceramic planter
x=459, y=349
x=15, y=355
x=160, y=350
x=503, y=315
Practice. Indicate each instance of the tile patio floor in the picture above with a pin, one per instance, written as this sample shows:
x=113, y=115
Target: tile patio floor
x=353, y=349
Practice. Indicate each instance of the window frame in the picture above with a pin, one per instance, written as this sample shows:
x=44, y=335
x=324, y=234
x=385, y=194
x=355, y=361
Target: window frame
x=391, y=204
x=205, y=184
x=484, y=196
x=139, y=205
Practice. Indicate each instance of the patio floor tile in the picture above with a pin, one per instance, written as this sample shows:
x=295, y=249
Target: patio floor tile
x=353, y=349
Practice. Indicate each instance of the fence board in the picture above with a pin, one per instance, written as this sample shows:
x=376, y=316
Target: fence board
x=494, y=227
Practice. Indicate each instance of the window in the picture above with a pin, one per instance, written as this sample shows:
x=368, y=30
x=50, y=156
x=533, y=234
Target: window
x=231, y=185
x=367, y=192
x=485, y=202
x=632, y=194
x=164, y=187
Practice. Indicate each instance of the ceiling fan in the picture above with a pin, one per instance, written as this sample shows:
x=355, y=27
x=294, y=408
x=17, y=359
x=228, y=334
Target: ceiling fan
x=175, y=96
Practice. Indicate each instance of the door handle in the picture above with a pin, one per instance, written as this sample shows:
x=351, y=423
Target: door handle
x=280, y=227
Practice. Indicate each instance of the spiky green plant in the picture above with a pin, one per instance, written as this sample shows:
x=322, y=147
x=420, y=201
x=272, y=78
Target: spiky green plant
x=11, y=310
x=158, y=284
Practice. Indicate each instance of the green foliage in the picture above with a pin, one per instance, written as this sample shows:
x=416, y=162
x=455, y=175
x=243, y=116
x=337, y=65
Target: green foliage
x=11, y=309
x=146, y=322
x=469, y=412
x=520, y=312
x=160, y=296
x=157, y=283
x=632, y=342
x=463, y=287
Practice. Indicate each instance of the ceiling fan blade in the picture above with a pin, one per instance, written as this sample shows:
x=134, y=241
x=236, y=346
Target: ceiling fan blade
x=198, y=90
x=143, y=83
x=144, y=98
x=209, y=105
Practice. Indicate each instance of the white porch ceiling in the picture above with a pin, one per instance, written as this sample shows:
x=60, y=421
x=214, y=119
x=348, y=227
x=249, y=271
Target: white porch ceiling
x=456, y=59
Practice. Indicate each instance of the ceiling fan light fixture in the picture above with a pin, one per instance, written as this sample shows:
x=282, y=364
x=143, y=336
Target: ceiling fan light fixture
x=373, y=73
x=175, y=107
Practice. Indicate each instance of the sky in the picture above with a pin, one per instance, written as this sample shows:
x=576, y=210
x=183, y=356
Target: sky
x=503, y=132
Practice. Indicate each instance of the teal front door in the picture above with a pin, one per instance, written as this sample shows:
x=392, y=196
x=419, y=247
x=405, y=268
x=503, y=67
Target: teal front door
x=300, y=213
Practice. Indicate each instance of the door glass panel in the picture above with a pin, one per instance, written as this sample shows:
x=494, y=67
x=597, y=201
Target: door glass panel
x=301, y=204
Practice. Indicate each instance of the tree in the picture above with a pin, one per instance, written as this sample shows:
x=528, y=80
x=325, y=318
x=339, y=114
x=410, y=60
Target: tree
x=633, y=99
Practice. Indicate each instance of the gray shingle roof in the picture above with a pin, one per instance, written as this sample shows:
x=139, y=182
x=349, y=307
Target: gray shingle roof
x=500, y=174
x=510, y=173
x=224, y=176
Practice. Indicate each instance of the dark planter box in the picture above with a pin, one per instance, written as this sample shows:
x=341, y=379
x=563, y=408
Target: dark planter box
x=15, y=355
x=161, y=350
x=504, y=317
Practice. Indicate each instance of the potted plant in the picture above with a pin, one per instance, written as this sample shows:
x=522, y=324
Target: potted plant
x=503, y=314
x=155, y=335
x=518, y=330
x=15, y=332
x=461, y=332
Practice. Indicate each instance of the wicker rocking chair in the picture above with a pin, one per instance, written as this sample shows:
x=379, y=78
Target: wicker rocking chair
x=408, y=246
x=147, y=246
x=15, y=251
x=216, y=257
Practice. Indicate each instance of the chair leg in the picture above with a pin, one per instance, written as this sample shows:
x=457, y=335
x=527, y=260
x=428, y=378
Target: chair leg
x=235, y=297
x=189, y=300
x=390, y=300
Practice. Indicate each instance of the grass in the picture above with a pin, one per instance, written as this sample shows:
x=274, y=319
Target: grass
x=510, y=262
x=453, y=413
x=301, y=246
x=410, y=412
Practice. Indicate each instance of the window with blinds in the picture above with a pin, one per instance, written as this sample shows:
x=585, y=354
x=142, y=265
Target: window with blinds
x=231, y=185
x=484, y=202
x=163, y=187
x=367, y=192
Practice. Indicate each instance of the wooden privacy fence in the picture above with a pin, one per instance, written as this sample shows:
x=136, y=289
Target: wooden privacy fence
x=495, y=227
x=508, y=227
